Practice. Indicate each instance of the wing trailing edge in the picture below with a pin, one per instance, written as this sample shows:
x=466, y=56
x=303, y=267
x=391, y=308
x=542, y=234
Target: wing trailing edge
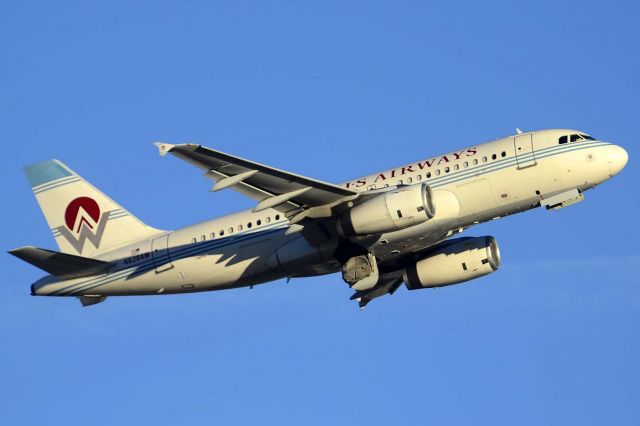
x=269, y=186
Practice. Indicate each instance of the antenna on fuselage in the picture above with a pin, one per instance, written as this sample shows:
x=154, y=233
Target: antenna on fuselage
x=518, y=131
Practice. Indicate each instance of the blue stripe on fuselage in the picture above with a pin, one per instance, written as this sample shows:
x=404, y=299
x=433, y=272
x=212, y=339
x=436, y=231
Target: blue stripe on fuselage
x=180, y=253
x=186, y=251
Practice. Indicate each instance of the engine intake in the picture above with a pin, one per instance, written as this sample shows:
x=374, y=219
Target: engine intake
x=456, y=261
x=390, y=211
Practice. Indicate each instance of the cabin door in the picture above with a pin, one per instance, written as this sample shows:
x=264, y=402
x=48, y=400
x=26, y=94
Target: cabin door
x=523, y=146
x=160, y=253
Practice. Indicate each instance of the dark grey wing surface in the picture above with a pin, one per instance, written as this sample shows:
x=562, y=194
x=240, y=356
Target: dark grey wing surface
x=271, y=187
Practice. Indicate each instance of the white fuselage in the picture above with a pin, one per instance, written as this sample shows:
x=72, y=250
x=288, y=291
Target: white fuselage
x=488, y=181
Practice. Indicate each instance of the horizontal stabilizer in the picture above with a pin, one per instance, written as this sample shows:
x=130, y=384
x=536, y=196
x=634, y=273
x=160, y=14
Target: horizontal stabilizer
x=61, y=265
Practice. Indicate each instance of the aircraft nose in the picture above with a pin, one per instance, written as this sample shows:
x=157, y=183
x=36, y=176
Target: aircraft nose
x=618, y=158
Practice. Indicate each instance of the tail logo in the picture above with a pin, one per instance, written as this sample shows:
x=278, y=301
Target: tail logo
x=83, y=221
x=82, y=211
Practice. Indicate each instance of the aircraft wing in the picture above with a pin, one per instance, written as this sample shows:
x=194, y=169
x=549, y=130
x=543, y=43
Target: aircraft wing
x=271, y=187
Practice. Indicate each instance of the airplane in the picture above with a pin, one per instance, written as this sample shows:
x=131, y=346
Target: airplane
x=391, y=227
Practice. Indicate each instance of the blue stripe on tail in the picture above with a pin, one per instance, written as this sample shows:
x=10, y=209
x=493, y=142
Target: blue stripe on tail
x=45, y=171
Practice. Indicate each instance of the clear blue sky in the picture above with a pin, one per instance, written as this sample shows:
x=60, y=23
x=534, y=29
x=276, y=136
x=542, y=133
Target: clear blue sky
x=332, y=90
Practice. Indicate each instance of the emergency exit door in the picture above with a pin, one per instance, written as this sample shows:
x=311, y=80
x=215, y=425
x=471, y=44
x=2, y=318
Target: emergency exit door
x=523, y=146
x=160, y=253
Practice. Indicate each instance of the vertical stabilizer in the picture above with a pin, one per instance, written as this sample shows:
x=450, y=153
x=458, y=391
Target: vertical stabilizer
x=82, y=219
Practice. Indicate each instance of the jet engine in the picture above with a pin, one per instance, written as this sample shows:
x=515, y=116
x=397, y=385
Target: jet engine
x=390, y=211
x=454, y=262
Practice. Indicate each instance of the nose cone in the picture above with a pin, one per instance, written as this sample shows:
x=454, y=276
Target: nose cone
x=618, y=158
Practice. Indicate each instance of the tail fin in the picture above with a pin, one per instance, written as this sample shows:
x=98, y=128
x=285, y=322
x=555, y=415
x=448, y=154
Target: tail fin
x=83, y=220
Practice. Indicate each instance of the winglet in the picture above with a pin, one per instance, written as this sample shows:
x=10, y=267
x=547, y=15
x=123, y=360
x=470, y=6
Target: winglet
x=163, y=148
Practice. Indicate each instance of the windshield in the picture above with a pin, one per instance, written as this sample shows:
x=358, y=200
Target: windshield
x=575, y=138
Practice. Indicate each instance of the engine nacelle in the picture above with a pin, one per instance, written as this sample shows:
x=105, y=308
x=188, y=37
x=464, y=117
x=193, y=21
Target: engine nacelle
x=390, y=211
x=461, y=260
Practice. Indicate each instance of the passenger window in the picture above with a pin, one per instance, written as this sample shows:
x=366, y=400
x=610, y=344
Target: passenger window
x=504, y=154
x=475, y=161
x=371, y=187
x=231, y=229
x=239, y=227
x=268, y=219
x=221, y=233
x=249, y=225
x=563, y=139
x=258, y=222
x=419, y=178
x=277, y=217
x=493, y=157
x=428, y=175
x=212, y=235
x=466, y=164
x=437, y=172
x=446, y=169
x=386, y=185
x=484, y=159
x=400, y=182
x=409, y=180
x=456, y=167
x=193, y=241
x=203, y=238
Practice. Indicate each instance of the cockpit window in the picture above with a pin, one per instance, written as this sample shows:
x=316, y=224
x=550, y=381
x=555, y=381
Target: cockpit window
x=574, y=138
